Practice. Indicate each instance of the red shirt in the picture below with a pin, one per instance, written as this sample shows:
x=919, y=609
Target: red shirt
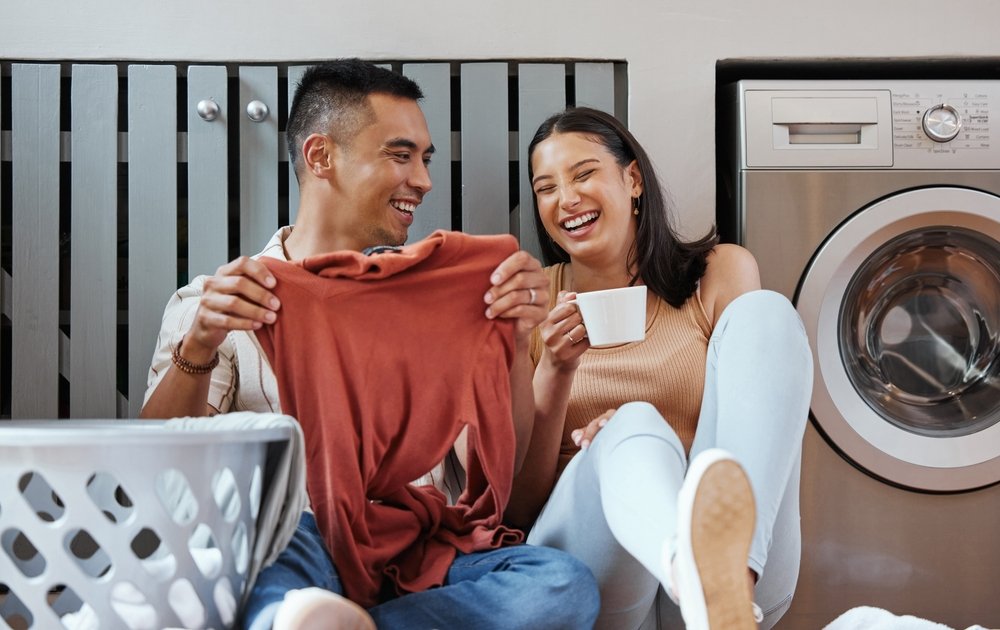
x=383, y=360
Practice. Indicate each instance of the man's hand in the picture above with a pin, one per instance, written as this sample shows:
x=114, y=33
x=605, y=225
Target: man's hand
x=237, y=297
x=520, y=291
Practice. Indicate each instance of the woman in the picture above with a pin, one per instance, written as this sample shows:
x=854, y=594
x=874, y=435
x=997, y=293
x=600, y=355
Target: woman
x=726, y=369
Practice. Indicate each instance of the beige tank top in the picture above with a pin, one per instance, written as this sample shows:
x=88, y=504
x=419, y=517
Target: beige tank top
x=666, y=369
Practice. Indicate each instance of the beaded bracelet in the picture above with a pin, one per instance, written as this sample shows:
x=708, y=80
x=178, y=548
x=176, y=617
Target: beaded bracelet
x=192, y=368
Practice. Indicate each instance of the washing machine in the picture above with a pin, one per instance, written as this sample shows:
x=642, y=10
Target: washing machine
x=875, y=207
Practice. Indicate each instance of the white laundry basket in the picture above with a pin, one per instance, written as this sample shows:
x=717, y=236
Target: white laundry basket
x=127, y=524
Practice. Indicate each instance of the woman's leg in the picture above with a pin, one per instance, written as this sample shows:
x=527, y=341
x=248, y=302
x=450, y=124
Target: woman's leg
x=615, y=506
x=757, y=389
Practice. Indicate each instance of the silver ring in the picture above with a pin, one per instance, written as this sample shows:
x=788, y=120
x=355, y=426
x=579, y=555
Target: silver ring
x=531, y=296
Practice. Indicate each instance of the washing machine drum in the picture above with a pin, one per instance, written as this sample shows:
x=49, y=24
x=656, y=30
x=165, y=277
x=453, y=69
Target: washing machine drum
x=902, y=306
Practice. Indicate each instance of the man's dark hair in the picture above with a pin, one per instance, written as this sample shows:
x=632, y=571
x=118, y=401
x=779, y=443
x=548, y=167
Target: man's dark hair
x=333, y=98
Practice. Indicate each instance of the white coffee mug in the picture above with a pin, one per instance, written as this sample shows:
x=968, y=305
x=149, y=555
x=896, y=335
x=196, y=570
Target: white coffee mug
x=613, y=316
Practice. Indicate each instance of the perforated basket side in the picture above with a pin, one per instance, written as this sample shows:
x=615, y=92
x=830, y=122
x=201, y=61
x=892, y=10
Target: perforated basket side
x=146, y=531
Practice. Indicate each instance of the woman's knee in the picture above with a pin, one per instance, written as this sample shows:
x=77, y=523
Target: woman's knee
x=636, y=417
x=768, y=320
x=636, y=420
x=765, y=308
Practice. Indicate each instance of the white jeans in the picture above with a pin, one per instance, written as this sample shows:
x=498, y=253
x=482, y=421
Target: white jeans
x=615, y=505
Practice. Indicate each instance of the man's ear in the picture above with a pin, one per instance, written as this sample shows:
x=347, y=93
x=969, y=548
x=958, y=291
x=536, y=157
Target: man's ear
x=317, y=155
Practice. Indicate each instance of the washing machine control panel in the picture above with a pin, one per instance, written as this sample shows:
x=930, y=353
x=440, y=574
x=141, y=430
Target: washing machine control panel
x=884, y=124
x=946, y=124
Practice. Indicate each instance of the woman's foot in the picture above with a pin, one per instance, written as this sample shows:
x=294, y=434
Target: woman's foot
x=319, y=609
x=709, y=566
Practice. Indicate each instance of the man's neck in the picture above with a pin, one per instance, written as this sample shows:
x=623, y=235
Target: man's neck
x=312, y=234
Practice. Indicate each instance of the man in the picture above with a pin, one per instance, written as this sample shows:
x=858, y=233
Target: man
x=360, y=147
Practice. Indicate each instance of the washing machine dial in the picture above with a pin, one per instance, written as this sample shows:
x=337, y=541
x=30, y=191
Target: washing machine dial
x=941, y=123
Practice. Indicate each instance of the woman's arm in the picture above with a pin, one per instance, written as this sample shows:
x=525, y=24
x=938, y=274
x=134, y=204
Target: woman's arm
x=552, y=382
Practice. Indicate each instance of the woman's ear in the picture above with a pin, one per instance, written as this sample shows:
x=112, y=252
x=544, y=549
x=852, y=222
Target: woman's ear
x=317, y=155
x=635, y=175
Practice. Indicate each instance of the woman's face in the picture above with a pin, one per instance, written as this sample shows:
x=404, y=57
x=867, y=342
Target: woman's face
x=584, y=197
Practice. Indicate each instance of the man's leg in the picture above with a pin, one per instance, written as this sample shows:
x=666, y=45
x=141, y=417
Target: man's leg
x=514, y=587
x=304, y=563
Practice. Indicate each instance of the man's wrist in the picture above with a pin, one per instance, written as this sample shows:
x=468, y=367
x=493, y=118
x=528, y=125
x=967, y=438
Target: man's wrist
x=197, y=364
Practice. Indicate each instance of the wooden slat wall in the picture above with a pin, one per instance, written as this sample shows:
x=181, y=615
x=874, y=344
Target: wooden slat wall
x=94, y=250
x=485, y=149
x=541, y=93
x=258, y=159
x=3, y=275
x=294, y=76
x=468, y=115
x=152, y=214
x=595, y=86
x=435, y=81
x=207, y=173
x=35, y=241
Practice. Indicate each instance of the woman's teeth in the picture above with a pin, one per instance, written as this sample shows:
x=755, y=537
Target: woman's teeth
x=576, y=222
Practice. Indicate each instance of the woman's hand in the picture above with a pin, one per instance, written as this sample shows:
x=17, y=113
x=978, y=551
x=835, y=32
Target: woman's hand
x=564, y=334
x=583, y=437
x=519, y=291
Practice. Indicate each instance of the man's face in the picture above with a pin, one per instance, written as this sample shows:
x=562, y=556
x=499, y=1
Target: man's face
x=383, y=174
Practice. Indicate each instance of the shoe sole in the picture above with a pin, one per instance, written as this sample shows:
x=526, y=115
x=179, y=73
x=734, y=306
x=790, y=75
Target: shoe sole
x=722, y=522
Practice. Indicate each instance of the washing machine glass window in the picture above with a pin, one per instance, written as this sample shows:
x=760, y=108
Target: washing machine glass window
x=919, y=331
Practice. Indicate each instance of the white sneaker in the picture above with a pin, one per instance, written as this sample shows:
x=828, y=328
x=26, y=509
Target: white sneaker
x=714, y=531
x=320, y=609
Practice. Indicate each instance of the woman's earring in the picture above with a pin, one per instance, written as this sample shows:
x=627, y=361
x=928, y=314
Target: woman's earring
x=635, y=205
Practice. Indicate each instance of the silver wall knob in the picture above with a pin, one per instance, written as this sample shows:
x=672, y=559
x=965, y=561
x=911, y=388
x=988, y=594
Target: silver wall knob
x=257, y=111
x=208, y=109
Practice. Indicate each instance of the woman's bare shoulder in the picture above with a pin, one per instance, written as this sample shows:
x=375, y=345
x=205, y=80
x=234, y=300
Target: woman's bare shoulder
x=731, y=272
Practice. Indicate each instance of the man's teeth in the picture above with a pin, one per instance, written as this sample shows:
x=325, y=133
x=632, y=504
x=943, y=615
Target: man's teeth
x=404, y=206
x=572, y=224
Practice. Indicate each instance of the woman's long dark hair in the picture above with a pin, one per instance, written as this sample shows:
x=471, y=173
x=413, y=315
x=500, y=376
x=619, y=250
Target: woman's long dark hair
x=669, y=266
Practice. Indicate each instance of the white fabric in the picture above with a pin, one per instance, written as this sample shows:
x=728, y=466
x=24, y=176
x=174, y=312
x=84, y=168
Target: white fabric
x=871, y=618
x=283, y=500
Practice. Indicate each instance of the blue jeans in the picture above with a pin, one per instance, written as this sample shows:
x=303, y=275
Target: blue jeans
x=514, y=587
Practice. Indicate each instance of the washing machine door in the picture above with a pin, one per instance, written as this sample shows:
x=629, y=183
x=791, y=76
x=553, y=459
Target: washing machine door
x=902, y=306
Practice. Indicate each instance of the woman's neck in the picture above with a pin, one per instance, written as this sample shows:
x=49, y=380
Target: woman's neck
x=580, y=277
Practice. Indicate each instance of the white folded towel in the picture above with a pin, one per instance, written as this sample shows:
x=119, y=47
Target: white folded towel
x=871, y=618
